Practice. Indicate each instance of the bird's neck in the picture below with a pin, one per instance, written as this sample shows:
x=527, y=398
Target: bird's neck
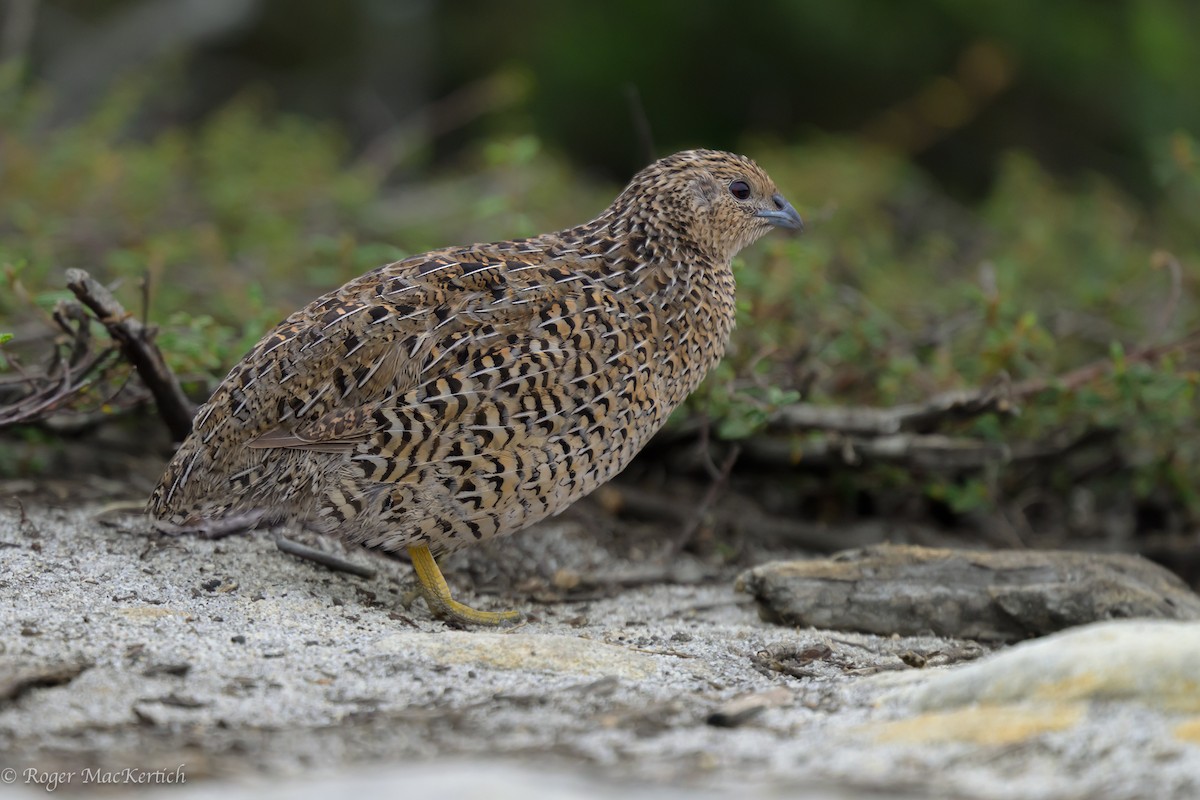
x=691, y=294
x=643, y=259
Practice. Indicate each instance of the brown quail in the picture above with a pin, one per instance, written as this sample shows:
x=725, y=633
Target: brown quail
x=469, y=392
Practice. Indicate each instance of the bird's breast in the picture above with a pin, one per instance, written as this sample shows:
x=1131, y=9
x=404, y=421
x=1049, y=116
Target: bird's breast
x=695, y=318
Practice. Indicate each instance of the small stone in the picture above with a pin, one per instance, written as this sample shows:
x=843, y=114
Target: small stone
x=743, y=708
x=178, y=670
x=566, y=579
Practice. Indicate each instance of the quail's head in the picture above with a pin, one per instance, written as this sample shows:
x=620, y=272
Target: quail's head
x=716, y=201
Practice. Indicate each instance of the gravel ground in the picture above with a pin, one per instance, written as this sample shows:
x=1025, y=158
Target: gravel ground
x=127, y=657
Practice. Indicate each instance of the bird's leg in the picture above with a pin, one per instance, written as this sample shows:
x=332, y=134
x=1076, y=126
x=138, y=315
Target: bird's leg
x=437, y=594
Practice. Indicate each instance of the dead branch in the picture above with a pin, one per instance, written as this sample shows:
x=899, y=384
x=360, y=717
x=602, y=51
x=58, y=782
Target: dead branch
x=324, y=559
x=998, y=397
x=74, y=368
x=137, y=345
x=716, y=486
x=928, y=452
x=872, y=421
x=1188, y=344
x=924, y=451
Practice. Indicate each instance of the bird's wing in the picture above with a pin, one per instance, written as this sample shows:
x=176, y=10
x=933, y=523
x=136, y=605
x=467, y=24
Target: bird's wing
x=345, y=349
x=394, y=339
x=339, y=351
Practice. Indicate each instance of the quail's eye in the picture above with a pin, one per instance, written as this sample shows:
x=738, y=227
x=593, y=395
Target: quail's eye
x=740, y=190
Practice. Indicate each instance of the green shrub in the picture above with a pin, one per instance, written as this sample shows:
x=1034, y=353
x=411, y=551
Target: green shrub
x=895, y=293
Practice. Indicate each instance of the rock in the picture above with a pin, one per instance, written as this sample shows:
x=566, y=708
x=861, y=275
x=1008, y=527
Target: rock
x=999, y=596
x=1152, y=662
x=980, y=725
x=17, y=678
x=1188, y=730
x=518, y=651
x=743, y=708
x=1055, y=685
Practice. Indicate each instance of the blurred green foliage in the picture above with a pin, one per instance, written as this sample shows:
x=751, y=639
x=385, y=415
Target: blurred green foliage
x=897, y=292
x=1080, y=84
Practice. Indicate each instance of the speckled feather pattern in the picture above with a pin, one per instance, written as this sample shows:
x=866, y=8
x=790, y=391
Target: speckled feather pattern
x=468, y=392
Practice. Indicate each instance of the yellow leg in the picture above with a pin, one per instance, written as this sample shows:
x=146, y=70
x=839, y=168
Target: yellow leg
x=437, y=594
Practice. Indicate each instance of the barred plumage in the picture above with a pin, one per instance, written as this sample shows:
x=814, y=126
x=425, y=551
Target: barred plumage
x=469, y=392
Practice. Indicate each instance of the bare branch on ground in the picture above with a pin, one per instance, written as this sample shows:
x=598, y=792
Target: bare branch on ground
x=137, y=345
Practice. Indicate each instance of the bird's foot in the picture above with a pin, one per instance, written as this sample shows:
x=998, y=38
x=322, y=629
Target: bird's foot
x=450, y=610
x=432, y=586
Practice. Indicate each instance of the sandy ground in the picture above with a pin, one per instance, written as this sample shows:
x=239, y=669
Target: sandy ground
x=139, y=662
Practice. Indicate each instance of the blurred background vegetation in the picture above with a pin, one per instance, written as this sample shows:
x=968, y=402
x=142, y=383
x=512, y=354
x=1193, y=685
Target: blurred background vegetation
x=992, y=189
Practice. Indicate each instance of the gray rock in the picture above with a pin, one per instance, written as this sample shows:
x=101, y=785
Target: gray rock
x=521, y=651
x=999, y=596
x=1146, y=661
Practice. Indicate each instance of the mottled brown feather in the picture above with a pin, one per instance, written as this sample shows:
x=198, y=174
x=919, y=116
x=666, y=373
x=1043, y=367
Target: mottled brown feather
x=468, y=392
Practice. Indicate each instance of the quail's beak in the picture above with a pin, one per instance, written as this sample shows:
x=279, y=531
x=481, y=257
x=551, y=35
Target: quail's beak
x=782, y=215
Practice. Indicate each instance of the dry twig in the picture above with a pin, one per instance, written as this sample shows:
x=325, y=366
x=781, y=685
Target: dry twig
x=1187, y=344
x=137, y=345
x=324, y=559
x=927, y=451
x=901, y=435
x=74, y=368
x=715, y=487
x=870, y=421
